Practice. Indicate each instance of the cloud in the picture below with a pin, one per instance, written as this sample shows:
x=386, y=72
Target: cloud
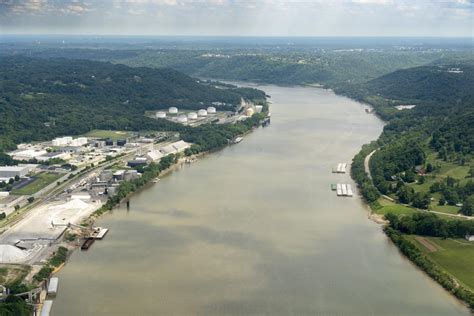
x=240, y=17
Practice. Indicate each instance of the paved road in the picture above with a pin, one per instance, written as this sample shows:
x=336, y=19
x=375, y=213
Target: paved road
x=367, y=162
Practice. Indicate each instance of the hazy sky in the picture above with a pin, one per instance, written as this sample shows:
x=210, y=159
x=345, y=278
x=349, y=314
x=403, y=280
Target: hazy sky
x=240, y=17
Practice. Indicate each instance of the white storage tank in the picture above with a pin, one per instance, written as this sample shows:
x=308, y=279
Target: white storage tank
x=160, y=114
x=182, y=119
x=249, y=112
x=211, y=110
x=192, y=116
x=173, y=110
x=202, y=112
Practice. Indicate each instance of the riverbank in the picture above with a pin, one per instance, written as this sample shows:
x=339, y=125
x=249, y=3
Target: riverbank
x=361, y=173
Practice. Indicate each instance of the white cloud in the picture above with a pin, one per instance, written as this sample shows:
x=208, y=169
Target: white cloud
x=242, y=17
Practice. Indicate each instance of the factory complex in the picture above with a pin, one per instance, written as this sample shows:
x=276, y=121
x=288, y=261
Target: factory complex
x=209, y=114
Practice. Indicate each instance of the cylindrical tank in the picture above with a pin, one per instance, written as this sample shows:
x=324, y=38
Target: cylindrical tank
x=202, y=112
x=173, y=110
x=182, y=119
x=160, y=114
x=192, y=115
x=259, y=108
x=211, y=110
x=249, y=112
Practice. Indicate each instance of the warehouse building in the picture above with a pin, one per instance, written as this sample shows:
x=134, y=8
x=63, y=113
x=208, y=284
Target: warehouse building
x=54, y=155
x=27, y=154
x=8, y=172
x=154, y=155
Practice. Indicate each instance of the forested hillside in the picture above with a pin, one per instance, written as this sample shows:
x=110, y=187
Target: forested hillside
x=436, y=135
x=43, y=98
x=281, y=65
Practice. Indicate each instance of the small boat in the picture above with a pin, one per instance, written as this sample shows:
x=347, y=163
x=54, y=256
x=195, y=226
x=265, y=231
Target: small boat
x=238, y=140
x=333, y=186
x=155, y=180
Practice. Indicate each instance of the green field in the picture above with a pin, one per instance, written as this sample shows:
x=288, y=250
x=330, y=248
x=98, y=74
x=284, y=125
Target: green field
x=385, y=206
x=108, y=134
x=455, y=256
x=449, y=209
x=41, y=181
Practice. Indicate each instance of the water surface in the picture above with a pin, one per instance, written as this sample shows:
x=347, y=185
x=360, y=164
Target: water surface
x=255, y=230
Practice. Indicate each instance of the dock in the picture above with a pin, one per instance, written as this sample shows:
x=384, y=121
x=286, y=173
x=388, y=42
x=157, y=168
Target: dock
x=102, y=232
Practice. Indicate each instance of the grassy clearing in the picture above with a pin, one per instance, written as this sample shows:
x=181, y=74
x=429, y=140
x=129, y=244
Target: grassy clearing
x=448, y=168
x=449, y=209
x=385, y=206
x=107, y=134
x=455, y=256
x=43, y=179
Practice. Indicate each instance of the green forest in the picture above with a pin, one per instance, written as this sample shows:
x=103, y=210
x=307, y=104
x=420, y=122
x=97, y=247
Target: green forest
x=44, y=98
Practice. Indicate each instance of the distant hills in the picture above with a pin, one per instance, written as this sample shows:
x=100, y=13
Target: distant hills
x=435, y=83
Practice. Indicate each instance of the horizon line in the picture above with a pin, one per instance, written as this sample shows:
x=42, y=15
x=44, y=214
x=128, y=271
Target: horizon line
x=238, y=36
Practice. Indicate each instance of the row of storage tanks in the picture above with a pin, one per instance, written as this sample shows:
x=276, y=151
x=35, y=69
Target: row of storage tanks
x=191, y=115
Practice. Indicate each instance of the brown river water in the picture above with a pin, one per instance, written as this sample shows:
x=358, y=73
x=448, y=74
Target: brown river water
x=255, y=229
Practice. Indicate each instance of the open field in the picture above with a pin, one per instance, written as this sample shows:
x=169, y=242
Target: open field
x=107, y=134
x=42, y=180
x=387, y=206
x=456, y=256
x=449, y=209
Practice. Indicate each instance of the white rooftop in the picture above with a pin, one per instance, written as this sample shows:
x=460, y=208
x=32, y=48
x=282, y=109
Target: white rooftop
x=11, y=254
x=13, y=168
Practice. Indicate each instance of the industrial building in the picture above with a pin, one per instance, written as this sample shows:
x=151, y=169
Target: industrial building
x=180, y=145
x=166, y=150
x=27, y=154
x=8, y=172
x=54, y=155
x=161, y=114
x=154, y=155
x=174, y=148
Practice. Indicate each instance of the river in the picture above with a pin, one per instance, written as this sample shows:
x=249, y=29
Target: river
x=254, y=229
